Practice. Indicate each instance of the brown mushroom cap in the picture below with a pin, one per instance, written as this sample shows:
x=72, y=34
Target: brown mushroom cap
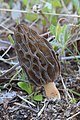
x=36, y=56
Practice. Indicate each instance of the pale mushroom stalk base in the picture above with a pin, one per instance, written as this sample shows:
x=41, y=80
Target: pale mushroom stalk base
x=52, y=91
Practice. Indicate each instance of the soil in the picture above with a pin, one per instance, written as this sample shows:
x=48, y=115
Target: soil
x=54, y=109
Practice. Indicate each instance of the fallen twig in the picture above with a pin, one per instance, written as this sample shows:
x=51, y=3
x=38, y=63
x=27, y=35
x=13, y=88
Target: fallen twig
x=73, y=116
x=9, y=71
x=25, y=106
x=70, y=57
x=26, y=100
x=42, y=109
x=24, y=11
x=66, y=90
x=7, y=50
x=7, y=29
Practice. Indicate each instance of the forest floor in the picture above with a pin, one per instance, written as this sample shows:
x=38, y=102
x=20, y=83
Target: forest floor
x=12, y=103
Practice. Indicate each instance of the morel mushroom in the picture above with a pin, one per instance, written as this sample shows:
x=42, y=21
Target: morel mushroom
x=38, y=59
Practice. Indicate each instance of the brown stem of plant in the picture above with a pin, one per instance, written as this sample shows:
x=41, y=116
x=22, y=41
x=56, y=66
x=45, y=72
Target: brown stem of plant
x=45, y=17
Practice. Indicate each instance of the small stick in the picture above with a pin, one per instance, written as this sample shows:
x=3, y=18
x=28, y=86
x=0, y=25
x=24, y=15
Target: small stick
x=24, y=106
x=9, y=70
x=7, y=29
x=45, y=34
x=5, y=21
x=42, y=109
x=34, y=23
x=26, y=100
x=73, y=116
x=7, y=51
x=68, y=58
x=65, y=87
x=25, y=11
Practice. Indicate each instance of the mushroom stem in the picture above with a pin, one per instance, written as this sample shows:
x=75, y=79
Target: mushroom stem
x=51, y=90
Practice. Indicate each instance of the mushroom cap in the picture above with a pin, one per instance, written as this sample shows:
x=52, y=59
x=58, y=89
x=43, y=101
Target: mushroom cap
x=36, y=56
